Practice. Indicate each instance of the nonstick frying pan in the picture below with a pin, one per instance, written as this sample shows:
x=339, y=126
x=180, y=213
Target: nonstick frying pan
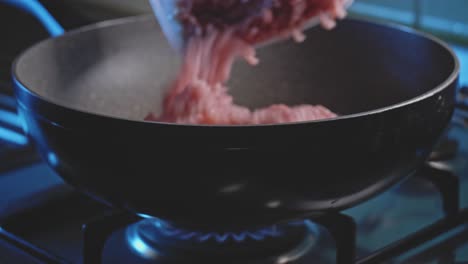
x=83, y=96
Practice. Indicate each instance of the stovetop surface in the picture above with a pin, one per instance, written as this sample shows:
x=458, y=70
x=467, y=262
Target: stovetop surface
x=37, y=206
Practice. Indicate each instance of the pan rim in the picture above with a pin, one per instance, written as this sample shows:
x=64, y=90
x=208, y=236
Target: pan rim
x=451, y=79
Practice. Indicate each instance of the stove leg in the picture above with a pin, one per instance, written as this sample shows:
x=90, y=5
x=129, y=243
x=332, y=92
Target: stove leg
x=96, y=233
x=343, y=230
x=448, y=185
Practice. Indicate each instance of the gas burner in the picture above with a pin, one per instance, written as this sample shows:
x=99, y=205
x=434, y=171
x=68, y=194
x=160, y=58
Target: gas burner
x=165, y=229
x=156, y=239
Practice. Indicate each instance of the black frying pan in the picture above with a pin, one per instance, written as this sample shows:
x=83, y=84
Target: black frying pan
x=83, y=96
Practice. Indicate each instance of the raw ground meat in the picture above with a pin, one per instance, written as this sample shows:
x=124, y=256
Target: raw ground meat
x=200, y=103
x=199, y=95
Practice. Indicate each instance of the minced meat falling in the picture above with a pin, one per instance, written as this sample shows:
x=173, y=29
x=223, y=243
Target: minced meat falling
x=220, y=31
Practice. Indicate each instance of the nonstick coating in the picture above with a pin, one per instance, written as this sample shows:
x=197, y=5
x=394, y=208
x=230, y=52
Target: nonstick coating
x=83, y=96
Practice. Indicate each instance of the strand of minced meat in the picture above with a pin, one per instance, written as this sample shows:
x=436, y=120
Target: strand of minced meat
x=199, y=95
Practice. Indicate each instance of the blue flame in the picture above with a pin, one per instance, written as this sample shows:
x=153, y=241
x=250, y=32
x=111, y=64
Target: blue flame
x=185, y=235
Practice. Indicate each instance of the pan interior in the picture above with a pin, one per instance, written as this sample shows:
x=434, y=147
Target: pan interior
x=123, y=69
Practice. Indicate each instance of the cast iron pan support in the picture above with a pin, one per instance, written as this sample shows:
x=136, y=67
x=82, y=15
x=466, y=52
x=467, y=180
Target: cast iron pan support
x=343, y=230
x=447, y=184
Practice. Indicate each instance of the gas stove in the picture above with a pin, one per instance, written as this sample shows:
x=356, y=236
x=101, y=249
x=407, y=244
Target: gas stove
x=42, y=220
x=418, y=221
